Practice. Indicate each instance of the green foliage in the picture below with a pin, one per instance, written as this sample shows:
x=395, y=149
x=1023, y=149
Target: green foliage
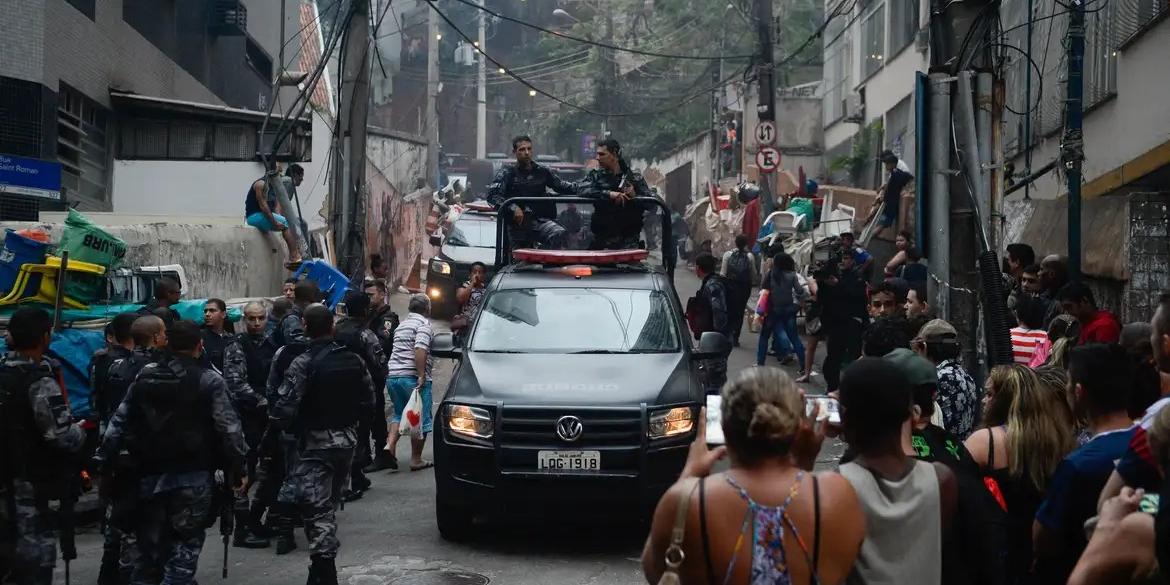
x=863, y=155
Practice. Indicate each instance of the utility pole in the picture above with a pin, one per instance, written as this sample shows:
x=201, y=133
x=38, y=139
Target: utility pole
x=1072, y=144
x=766, y=77
x=608, y=75
x=349, y=182
x=432, y=125
x=481, y=88
x=939, y=167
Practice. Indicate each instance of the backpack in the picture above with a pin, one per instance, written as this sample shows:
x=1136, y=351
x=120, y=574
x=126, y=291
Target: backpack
x=739, y=267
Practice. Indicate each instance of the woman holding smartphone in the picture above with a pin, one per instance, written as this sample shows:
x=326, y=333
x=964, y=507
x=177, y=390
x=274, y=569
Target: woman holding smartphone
x=765, y=520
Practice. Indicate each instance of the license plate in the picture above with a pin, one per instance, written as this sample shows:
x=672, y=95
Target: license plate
x=569, y=460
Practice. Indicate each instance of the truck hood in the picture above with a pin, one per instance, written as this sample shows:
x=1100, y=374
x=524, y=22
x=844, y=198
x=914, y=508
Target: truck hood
x=575, y=379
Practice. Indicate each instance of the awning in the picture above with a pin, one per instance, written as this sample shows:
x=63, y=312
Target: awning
x=124, y=101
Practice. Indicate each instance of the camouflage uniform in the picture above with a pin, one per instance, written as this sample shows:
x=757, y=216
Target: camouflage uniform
x=26, y=508
x=325, y=455
x=251, y=405
x=614, y=226
x=369, y=347
x=118, y=549
x=175, y=508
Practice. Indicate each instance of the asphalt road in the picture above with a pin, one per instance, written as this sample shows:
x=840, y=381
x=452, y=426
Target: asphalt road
x=389, y=537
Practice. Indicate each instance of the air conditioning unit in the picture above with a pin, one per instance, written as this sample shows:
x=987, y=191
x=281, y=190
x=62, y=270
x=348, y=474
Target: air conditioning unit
x=855, y=108
x=228, y=18
x=922, y=40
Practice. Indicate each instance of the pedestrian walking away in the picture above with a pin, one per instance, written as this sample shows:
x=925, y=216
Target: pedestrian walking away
x=739, y=268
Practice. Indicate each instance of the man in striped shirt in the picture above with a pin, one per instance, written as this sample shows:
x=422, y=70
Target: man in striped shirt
x=1030, y=335
x=409, y=369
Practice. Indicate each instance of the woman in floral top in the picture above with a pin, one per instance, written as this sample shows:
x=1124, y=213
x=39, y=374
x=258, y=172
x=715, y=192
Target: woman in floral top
x=958, y=395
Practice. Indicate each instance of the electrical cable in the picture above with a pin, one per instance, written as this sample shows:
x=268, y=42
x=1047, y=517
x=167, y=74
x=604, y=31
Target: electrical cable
x=563, y=101
x=1039, y=75
x=590, y=41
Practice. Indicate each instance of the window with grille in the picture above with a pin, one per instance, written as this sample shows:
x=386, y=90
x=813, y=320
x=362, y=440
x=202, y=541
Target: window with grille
x=1134, y=17
x=873, y=40
x=836, y=69
x=22, y=125
x=903, y=24
x=83, y=148
x=146, y=139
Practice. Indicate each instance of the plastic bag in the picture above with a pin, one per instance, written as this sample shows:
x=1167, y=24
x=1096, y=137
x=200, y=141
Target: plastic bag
x=762, y=305
x=412, y=416
x=756, y=324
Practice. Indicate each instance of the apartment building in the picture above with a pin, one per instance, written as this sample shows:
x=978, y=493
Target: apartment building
x=147, y=106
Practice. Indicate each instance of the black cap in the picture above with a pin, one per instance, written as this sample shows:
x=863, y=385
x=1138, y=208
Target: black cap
x=888, y=156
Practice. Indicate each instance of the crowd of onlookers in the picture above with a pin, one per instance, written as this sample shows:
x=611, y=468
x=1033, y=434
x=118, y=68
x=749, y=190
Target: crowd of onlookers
x=1051, y=472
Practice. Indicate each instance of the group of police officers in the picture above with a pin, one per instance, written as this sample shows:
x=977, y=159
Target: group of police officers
x=263, y=430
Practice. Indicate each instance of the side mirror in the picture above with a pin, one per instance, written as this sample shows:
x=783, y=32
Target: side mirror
x=712, y=345
x=436, y=240
x=443, y=346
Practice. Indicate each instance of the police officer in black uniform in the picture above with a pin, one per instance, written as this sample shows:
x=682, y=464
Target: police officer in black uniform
x=291, y=328
x=326, y=391
x=216, y=334
x=617, y=219
x=246, y=361
x=38, y=444
x=533, y=222
x=177, y=427
x=383, y=321
x=280, y=446
x=353, y=333
x=119, y=345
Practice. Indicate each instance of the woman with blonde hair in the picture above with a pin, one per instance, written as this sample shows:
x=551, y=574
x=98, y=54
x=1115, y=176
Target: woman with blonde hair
x=1027, y=431
x=767, y=519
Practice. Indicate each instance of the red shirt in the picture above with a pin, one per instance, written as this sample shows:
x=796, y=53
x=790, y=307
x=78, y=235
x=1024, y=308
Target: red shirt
x=1102, y=328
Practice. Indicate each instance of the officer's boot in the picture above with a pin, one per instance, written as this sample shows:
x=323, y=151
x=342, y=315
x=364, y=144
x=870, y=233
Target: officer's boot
x=286, y=540
x=256, y=524
x=108, y=573
x=323, y=571
x=245, y=535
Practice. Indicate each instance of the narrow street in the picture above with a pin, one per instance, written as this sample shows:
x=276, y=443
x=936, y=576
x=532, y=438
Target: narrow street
x=389, y=536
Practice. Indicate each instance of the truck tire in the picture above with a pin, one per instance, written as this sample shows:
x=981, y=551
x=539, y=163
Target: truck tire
x=454, y=520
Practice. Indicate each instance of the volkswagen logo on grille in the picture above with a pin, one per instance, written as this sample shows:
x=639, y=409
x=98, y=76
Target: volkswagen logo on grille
x=569, y=428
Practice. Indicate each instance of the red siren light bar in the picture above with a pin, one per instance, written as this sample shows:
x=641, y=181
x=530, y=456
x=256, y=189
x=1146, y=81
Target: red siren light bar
x=480, y=207
x=593, y=257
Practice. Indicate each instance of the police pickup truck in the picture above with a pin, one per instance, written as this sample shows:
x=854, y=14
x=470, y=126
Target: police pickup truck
x=576, y=391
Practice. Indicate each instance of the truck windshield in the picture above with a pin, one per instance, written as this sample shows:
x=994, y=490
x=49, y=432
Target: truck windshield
x=472, y=233
x=576, y=320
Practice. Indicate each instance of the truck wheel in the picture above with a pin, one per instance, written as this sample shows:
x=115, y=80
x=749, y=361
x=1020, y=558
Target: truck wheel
x=454, y=520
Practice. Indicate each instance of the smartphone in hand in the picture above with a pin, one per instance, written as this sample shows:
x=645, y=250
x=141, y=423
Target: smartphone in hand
x=714, y=422
x=830, y=409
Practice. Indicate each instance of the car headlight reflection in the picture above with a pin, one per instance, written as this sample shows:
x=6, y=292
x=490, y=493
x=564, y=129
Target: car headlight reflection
x=440, y=267
x=671, y=423
x=470, y=421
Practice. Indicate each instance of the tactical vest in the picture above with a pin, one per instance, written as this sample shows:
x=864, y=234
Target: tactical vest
x=102, y=362
x=25, y=454
x=170, y=420
x=122, y=375
x=334, y=392
x=349, y=334
x=278, y=334
x=259, y=359
x=214, y=346
x=280, y=367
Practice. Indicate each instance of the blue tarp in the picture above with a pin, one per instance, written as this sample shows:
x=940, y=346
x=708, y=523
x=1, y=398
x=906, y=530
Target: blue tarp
x=73, y=348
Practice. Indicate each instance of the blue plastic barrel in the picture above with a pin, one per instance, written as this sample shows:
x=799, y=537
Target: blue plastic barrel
x=19, y=250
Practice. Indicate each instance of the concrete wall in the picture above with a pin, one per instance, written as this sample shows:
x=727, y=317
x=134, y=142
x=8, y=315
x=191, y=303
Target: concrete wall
x=184, y=187
x=800, y=133
x=226, y=261
x=1149, y=254
x=1132, y=123
x=396, y=214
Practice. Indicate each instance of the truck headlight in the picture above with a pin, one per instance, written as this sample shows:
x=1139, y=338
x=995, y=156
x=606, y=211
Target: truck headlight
x=671, y=423
x=440, y=267
x=470, y=421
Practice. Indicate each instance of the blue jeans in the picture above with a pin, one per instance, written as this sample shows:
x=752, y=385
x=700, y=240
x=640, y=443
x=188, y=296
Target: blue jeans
x=782, y=327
